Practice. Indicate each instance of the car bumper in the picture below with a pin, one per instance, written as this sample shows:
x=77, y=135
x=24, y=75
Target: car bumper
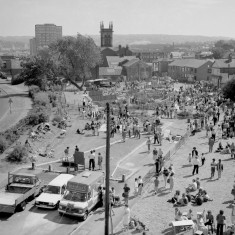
x=71, y=213
x=45, y=206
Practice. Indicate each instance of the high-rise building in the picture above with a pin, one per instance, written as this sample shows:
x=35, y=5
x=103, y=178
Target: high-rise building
x=45, y=34
x=106, y=35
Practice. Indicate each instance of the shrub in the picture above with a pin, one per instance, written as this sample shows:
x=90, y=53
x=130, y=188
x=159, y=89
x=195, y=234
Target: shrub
x=36, y=118
x=183, y=114
x=19, y=154
x=41, y=98
x=3, y=144
x=17, y=80
x=33, y=90
x=57, y=118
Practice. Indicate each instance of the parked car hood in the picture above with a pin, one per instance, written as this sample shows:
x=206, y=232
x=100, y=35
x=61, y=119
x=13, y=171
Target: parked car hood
x=48, y=197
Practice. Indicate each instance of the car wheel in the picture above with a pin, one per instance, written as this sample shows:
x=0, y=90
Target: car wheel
x=23, y=205
x=57, y=205
x=85, y=216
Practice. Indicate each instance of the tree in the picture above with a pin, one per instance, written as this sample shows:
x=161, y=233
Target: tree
x=229, y=89
x=218, y=53
x=75, y=58
x=40, y=72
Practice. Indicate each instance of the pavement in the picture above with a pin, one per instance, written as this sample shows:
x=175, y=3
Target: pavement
x=20, y=106
x=140, y=162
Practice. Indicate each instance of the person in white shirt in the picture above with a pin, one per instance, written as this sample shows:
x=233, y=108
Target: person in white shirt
x=192, y=187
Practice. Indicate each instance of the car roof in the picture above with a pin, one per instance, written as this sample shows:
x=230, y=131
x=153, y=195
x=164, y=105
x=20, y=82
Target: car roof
x=61, y=179
x=87, y=177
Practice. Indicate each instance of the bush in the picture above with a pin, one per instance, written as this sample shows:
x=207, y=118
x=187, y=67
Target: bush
x=19, y=154
x=17, y=80
x=228, y=89
x=33, y=90
x=3, y=144
x=36, y=118
x=57, y=118
x=41, y=98
x=183, y=114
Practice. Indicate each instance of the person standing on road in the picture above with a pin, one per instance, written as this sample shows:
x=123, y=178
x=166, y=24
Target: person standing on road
x=100, y=160
x=211, y=144
x=213, y=165
x=148, y=143
x=136, y=187
x=126, y=194
x=156, y=185
x=66, y=153
x=203, y=159
x=196, y=163
x=219, y=168
x=126, y=217
x=155, y=152
x=140, y=185
x=194, y=152
x=172, y=180
x=165, y=175
x=92, y=160
x=190, y=158
x=124, y=135
x=220, y=218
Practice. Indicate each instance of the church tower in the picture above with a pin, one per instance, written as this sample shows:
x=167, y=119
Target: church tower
x=106, y=35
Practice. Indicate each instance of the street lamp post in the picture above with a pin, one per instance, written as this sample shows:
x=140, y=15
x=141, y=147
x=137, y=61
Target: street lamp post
x=107, y=171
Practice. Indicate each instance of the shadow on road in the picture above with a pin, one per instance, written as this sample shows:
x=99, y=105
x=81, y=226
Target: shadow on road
x=53, y=216
x=5, y=216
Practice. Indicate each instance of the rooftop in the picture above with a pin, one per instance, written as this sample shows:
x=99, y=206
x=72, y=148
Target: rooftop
x=192, y=63
x=223, y=63
x=113, y=61
x=107, y=71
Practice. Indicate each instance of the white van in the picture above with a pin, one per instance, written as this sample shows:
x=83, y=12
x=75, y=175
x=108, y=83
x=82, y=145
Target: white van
x=52, y=194
x=81, y=194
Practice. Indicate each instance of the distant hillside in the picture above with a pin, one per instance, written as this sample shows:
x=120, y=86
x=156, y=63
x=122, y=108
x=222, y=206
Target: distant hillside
x=138, y=39
x=130, y=39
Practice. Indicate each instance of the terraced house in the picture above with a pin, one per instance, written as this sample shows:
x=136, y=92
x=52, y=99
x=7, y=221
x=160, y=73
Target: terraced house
x=190, y=70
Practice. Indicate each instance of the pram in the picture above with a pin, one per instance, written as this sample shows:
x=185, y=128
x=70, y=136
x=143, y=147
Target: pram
x=116, y=201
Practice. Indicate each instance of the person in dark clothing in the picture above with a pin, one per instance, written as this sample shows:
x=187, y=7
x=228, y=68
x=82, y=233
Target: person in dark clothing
x=220, y=218
x=194, y=152
x=156, y=138
x=157, y=165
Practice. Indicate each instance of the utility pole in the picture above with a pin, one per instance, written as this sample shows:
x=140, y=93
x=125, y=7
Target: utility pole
x=107, y=171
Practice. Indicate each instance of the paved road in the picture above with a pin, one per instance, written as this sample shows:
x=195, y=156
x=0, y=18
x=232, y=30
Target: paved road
x=37, y=222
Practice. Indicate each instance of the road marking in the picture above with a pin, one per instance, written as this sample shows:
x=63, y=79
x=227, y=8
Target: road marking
x=134, y=150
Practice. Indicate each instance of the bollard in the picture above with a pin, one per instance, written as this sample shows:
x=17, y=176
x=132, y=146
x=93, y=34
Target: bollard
x=68, y=170
x=33, y=165
x=49, y=168
x=123, y=178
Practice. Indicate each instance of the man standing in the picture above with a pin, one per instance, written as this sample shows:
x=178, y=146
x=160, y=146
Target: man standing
x=66, y=153
x=219, y=168
x=194, y=152
x=213, y=165
x=196, y=163
x=220, y=218
x=92, y=160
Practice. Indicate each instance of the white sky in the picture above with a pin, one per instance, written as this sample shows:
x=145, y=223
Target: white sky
x=185, y=17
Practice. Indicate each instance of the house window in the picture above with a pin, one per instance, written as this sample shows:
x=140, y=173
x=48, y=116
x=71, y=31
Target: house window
x=195, y=71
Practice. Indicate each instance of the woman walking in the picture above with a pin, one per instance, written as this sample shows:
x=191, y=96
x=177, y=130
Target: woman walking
x=171, y=178
x=140, y=185
x=148, y=143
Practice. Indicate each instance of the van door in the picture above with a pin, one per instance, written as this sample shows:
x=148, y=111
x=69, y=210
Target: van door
x=90, y=202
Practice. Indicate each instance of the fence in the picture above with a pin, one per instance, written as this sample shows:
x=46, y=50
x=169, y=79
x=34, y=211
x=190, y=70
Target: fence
x=168, y=155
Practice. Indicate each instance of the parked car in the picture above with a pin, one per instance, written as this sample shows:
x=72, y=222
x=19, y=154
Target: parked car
x=53, y=193
x=19, y=189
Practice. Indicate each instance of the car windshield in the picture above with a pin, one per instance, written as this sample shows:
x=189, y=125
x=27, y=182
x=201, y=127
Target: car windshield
x=75, y=196
x=52, y=189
